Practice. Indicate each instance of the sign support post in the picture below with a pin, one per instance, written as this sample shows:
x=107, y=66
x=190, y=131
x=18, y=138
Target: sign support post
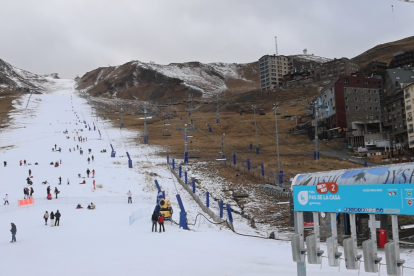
x=300, y=266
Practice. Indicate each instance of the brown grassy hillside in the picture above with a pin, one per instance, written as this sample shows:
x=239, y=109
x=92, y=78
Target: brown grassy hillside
x=384, y=52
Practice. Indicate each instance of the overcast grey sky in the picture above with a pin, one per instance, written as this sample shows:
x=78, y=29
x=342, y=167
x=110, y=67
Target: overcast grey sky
x=76, y=36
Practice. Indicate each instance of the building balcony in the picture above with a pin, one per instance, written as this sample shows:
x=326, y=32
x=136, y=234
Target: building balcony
x=410, y=119
x=408, y=107
x=412, y=143
x=411, y=130
x=407, y=95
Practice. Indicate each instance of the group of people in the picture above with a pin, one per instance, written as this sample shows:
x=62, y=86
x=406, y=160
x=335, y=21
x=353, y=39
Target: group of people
x=28, y=193
x=89, y=171
x=49, y=195
x=90, y=206
x=157, y=218
x=54, y=218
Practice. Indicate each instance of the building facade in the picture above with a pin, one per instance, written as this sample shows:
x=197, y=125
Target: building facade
x=351, y=102
x=403, y=58
x=272, y=69
x=408, y=103
x=393, y=105
x=335, y=68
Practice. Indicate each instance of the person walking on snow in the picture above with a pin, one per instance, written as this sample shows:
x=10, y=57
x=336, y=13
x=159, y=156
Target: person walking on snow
x=57, y=215
x=154, y=219
x=21, y=162
x=56, y=192
x=5, y=163
x=6, y=199
x=93, y=173
x=55, y=146
x=52, y=219
x=88, y=172
x=24, y=162
x=31, y=192
x=89, y=160
x=129, y=197
x=46, y=216
x=60, y=180
x=25, y=193
x=48, y=190
x=13, y=231
x=161, y=222
x=30, y=172
x=92, y=158
x=68, y=181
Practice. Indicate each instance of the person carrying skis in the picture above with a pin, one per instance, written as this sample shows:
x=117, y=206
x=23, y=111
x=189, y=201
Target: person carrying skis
x=46, y=216
x=6, y=199
x=56, y=192
x=161, y=222
x=13, y=231
x=57, y=215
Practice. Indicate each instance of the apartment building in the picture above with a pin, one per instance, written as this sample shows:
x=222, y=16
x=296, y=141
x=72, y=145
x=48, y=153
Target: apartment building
x=335, y=68
x=393, y=105
x=351, y=102
x=403, y=58
x=408, y=103
x=272, y=69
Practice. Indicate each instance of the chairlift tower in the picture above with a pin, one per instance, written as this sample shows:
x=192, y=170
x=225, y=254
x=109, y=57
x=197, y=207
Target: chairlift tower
x=255, y=127
x=276, y=107
x=122, y=117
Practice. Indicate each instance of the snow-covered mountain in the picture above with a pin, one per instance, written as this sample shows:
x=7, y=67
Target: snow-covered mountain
x=153, y=81
x=21, y=80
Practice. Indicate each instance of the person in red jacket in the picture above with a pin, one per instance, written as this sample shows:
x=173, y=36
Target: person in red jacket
x=161, y=222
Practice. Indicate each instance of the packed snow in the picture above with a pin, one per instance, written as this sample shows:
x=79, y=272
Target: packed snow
x=102, y=241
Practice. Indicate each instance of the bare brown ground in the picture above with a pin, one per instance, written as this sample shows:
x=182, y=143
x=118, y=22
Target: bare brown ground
x=6, y=98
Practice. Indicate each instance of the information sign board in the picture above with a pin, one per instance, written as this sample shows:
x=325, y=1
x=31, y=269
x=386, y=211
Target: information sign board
x=392, y=199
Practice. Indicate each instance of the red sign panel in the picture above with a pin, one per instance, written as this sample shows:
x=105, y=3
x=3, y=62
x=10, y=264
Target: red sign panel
x=324, y=187
x=307, y=224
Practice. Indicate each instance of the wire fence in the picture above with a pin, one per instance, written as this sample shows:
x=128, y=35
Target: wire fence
x=73, y=200
x=145, y=212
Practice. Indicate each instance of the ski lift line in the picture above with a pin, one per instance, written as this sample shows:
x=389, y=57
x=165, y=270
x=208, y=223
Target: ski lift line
x=123, y=140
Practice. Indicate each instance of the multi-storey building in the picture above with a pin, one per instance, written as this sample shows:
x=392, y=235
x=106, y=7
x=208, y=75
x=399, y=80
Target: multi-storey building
x=335, y=68
x=272, y=69
x=408, y=103
x=351, y=102
x=403, y=58
x=393, y=104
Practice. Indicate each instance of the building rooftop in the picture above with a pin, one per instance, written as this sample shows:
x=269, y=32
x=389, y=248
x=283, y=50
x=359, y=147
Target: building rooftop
x=401, y=75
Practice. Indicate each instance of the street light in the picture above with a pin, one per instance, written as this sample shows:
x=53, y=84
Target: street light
x=275, y=108
x=255, y=127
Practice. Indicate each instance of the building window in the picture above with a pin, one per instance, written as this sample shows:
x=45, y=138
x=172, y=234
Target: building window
x=346, y=81
x=356, y=107
x=355, y=90
x=369, y=91
x=367, y=82
x=370, y=100
x=346, y=99
x=345, y=90
x=370, y=108
x=346, y=108
x=376, y=109
x=376, y=100
x=395, y=126
x=371, y=117
x=356, y=99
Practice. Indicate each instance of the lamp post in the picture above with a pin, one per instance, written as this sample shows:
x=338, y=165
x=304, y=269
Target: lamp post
x=276, y=107
x=255, y=127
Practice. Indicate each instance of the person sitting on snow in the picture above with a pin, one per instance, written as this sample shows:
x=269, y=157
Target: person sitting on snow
x=83, y=182
x=79, y=206
x=91, y=206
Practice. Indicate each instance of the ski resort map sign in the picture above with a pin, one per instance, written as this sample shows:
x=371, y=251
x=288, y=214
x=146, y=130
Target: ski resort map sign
x=391, y=199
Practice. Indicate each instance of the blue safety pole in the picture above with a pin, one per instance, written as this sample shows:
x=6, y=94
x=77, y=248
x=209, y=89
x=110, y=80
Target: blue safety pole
x=280, y=177
x=365, y=164
x=262, y=168
x=173, y=164
x=248, y=164
x=221, y=208
x=207, y=199
x=168, y=159
x=129, y=161
x=185, y=177
x=234, y=159
x=251, y=146
x=180, y=171
x=257, y=150
x=194, y=187
x=210, y=129
x=229, y=213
